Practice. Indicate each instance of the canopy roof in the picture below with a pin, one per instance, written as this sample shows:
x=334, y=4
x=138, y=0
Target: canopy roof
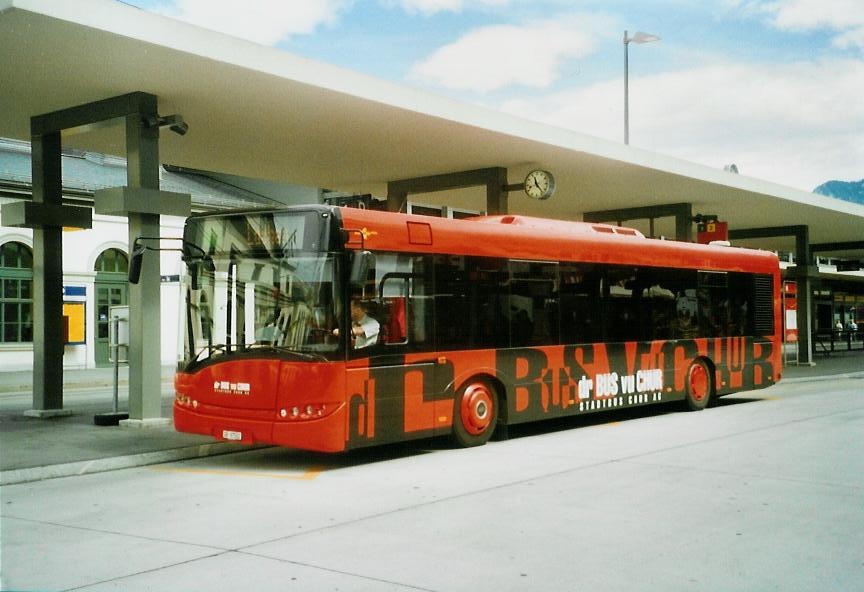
x=263, y=113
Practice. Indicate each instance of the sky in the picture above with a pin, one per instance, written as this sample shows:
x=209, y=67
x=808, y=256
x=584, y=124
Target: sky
x=775, y=87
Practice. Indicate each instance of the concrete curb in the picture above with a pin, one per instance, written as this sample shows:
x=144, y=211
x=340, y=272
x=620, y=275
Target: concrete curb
x=28, y=387
x=101, y=465
x=822, y=377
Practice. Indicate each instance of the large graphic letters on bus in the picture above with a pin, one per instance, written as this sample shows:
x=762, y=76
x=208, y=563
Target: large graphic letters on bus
x=390, y=401
x=544, y=382
x=762, y=368
x=361, y=406
x=526, y=375
x=412, y=397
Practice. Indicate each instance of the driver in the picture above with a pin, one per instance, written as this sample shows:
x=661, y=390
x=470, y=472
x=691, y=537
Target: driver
x=364, y=329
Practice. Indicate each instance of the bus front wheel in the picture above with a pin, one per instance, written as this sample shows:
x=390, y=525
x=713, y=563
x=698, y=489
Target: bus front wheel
x=700, y=386
x=475, y=413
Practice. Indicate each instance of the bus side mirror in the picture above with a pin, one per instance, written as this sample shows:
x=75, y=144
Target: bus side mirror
x=363, y=263
x=135, y=264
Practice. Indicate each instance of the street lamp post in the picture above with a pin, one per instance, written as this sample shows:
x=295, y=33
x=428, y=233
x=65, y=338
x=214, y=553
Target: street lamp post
x=638, y=37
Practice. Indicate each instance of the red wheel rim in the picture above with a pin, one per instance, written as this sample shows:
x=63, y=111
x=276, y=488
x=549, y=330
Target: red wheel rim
x=476, y=409
x=698, y=382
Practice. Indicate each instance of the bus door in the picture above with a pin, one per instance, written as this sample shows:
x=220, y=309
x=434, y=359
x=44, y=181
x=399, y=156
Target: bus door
x=396, y=390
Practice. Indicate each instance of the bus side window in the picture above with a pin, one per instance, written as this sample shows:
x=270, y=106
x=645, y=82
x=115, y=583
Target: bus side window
x=621, y=298
x=394, y=329
x=713, y=298
x=534, y=301
x=580, y=316
x=392, y=308
x=363, y=272
x=403, y=309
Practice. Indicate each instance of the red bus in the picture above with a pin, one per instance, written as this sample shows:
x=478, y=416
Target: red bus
x=481, y=322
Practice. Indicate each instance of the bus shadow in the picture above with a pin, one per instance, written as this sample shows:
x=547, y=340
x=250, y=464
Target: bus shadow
x=276, y=459
x=727, y=401
x=560, y=424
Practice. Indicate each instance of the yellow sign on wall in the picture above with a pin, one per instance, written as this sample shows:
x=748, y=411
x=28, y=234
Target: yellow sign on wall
x=75, y=312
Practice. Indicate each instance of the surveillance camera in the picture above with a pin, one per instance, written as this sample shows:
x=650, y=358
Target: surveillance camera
x=173, y=122
x=180, y=128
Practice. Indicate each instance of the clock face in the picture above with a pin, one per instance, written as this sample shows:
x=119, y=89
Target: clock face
x=539, y=184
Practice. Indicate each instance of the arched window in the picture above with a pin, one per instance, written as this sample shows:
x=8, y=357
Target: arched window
x=16, y=293
x=112, y=261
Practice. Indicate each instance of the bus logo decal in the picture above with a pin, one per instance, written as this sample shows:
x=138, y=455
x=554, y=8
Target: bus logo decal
x=225, y=387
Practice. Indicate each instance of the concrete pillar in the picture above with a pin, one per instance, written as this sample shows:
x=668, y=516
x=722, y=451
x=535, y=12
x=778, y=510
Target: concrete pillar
x=496, y=192
x=145, y=367
x=684, y=223
x=396, y=199
x=47, y=281
x=803, y=271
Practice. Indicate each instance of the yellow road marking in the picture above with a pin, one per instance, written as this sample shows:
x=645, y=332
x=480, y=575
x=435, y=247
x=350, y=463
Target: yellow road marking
x=307, y=475
x=608, y=424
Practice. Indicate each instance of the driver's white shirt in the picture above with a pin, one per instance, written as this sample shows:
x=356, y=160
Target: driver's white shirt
x=370, y=327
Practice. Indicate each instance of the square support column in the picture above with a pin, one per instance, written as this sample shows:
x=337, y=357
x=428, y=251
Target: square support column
x=803, y=273
x=496, y=192
x=145, y=318
x=47, y=281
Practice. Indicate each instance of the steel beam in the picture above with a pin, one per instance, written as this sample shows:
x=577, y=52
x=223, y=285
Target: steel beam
x=682, y=212
x=803, y=273
x=494, y=178
x=841, y=246
x=84, y=116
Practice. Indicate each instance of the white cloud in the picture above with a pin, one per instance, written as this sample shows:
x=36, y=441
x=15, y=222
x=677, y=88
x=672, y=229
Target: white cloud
x=429, y=7
x=844, y=17
x=809, y=14
x=796, y=124
x=262, y=21
x=498, y=56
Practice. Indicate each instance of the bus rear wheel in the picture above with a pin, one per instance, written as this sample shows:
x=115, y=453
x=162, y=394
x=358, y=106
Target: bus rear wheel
x=475, y=413
x=700, y=386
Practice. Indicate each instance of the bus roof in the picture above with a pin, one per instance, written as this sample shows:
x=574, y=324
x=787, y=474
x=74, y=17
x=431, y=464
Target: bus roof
x=522, y=237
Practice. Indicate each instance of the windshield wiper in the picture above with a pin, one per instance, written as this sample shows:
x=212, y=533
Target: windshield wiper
x=309, y=356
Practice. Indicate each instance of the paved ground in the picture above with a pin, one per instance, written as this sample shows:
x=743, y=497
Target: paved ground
x=765, y=492
x=34, y=449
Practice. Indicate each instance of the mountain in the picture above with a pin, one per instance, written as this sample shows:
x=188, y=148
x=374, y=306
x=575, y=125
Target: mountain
x=846, y=190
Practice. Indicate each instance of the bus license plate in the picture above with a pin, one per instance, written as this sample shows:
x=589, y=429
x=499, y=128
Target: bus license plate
x=231, y=435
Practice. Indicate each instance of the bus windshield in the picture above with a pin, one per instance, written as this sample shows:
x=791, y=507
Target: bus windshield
x=260, y=282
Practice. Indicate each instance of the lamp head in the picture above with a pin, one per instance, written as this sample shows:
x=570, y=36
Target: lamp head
x=641, y=37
